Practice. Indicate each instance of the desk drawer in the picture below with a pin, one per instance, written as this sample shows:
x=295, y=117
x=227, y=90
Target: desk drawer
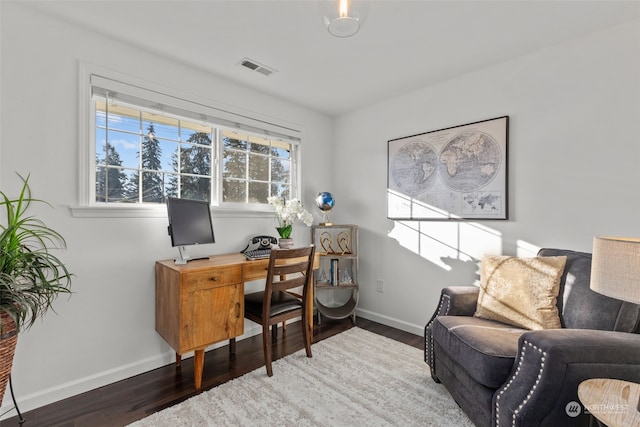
x=213, y=278
x=254, y=270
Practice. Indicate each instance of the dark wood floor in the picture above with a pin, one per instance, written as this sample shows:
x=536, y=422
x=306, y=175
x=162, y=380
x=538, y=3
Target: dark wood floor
x=132, y=399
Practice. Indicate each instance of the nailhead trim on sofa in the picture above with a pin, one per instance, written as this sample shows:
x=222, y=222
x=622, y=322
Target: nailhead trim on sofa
x=440, y=313
x=531, y=391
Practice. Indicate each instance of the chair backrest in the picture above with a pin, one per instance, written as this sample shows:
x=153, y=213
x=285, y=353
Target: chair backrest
x=290, y=268
x=582, y=308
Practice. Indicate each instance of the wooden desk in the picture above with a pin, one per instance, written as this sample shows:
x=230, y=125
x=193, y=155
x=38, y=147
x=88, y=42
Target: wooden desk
x=202, y=302
x=614, y=402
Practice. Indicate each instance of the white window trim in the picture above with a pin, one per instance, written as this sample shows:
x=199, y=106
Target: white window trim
x=87, y=207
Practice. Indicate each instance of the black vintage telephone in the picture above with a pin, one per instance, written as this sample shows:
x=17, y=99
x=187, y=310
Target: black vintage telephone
x=259, y=247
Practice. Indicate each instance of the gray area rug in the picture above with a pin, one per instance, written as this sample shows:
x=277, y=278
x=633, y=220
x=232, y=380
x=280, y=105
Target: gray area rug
x=355, y=378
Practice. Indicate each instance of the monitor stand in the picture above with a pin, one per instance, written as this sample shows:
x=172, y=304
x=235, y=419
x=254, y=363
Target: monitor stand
x=185, y=257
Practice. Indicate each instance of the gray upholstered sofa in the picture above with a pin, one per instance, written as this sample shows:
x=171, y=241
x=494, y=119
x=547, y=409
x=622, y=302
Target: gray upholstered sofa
x=501, y=375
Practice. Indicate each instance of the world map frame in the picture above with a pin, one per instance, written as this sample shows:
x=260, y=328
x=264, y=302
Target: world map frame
x=455, y=173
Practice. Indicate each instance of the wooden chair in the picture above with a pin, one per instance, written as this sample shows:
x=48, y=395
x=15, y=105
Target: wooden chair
x=288, y=269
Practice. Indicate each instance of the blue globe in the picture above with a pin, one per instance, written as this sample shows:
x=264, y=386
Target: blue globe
x=325, y=201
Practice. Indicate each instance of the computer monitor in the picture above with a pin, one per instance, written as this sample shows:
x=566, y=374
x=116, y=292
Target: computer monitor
x=189, y=224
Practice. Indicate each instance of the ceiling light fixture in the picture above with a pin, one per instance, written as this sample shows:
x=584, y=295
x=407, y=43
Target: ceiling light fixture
x=344, y=18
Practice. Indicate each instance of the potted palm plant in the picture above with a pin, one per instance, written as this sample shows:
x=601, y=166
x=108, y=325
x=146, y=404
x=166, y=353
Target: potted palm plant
x=31, y=276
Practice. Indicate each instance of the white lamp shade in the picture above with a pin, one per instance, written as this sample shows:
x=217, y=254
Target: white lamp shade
x=615, y=268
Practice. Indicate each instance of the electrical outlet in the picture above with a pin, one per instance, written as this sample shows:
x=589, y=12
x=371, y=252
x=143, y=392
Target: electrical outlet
x=380, y=285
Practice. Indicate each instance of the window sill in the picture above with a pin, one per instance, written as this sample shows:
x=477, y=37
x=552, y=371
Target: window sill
x=112, y=211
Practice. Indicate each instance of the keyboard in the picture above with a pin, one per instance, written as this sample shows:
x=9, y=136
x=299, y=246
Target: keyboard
x=257, y=254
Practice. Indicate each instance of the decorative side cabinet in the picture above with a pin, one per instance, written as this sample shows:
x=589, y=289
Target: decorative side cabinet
x=336, y=281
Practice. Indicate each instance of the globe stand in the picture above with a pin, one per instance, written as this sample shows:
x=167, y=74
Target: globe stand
x=325, y=220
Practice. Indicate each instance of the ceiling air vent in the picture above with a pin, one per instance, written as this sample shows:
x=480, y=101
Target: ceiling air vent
x=255, y=66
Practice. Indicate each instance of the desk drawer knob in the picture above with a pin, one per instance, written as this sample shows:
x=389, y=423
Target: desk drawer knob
x=214, y=279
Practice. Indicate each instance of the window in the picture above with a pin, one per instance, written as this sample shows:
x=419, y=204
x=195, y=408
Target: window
x=145, y=157
x=144, y=151
x=254, y=168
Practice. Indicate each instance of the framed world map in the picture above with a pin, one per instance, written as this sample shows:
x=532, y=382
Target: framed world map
x=450, y=174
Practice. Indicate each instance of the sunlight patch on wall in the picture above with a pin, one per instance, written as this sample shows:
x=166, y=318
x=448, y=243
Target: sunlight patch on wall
x=526, y=249
x=441, y=242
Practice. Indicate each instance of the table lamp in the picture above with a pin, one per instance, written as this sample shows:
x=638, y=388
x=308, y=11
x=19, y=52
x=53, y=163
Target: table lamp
x=615, y=269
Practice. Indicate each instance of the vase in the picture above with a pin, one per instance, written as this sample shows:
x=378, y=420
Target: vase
x=8, y=341
x=285, y=243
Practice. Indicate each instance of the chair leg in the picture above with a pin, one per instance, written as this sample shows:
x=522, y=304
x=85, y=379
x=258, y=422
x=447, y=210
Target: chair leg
x=306, y=335
x=266, y=343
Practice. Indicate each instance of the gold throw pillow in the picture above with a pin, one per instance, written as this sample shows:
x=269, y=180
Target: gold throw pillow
x=521, y=291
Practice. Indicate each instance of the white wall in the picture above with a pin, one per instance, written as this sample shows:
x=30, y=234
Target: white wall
x=573, y=168
x=106, y=331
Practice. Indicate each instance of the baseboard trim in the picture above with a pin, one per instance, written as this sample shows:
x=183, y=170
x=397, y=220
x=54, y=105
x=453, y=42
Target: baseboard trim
x=391, y=321
x=54, y=394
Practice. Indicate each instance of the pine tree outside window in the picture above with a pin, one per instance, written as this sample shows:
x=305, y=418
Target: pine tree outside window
x=254, y=168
